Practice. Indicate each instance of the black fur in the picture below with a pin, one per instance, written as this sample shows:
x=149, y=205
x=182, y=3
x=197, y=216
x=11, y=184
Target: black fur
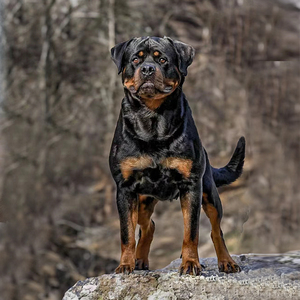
x=233, y=170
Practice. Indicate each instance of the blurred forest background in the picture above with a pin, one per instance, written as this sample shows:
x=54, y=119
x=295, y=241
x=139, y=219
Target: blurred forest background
x=60, y=100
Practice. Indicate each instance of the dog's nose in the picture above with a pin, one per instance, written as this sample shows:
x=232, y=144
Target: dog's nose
x=147, y=69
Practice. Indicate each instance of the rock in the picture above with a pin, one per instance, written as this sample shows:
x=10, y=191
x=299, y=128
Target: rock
x=262, y=277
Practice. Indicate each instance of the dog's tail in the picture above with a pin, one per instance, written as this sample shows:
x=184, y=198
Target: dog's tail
x=233, y=170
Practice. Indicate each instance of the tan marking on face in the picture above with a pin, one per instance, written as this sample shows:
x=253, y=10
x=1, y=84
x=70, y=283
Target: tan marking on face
x=134, y=163
x=182, y=165
x=155, y=101
x=151, y=101
x=141, y=53
x=172, y=82
x=134, y=82
x=129, y=82
x=156, y=53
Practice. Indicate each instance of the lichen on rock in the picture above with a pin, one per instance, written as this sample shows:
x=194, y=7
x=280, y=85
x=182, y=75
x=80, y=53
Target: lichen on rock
x=262, y=277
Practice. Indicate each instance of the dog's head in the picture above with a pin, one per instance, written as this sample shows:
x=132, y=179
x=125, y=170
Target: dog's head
x=152, y=68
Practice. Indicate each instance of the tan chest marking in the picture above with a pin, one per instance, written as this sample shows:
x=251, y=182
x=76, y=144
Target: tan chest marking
x=182, y=165
x=134, y=163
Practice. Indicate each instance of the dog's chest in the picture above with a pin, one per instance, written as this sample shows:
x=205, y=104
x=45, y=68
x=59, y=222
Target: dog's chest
x=150, y=126
x=146, y=163
x=159, y=178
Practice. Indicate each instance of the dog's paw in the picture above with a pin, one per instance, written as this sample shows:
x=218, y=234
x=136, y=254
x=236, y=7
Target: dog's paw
x=228, y=266
x=190, y=267
x=124, y=269
x=141, y=264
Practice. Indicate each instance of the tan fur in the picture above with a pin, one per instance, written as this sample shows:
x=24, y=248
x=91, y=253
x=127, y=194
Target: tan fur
x=127, y=262
x=153, y=101
x=131, y=163
x=216, y=235
x=147, y=230
x=182, y=165
x=189, y=250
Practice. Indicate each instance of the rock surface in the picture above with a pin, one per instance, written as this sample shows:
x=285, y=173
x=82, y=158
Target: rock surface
x=262, y=277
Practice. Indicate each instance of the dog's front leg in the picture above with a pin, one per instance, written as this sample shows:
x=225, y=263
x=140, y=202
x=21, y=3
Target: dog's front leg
x=128, y=212
x=190, y=206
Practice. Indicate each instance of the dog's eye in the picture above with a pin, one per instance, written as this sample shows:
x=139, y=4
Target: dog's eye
x=162, y=60
x=135, y=60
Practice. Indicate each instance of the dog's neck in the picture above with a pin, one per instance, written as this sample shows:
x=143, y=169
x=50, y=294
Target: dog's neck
x=150, y=125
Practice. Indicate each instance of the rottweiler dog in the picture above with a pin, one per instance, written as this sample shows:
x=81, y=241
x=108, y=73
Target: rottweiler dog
x=156, y=154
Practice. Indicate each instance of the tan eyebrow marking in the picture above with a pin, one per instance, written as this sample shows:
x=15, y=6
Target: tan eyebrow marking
x=141, y=53
x=156, y=53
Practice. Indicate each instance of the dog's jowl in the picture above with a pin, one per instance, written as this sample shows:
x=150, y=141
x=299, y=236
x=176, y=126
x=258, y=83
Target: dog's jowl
x=156, y=154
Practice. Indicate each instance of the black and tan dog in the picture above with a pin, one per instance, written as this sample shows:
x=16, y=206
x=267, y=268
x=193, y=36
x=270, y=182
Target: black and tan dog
x=156, y=154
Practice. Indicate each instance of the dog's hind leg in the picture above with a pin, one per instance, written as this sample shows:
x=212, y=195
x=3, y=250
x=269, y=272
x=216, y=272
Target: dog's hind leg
x=147, y=227
x=212, y=206
x=225, y=262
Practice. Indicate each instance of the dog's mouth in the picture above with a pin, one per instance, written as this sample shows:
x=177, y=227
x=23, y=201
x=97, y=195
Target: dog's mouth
x=148, y=88
x=152, y=87
x=148, y=85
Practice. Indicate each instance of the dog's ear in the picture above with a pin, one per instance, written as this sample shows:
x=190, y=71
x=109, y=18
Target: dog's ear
x=117, y=54
x=185, y=55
